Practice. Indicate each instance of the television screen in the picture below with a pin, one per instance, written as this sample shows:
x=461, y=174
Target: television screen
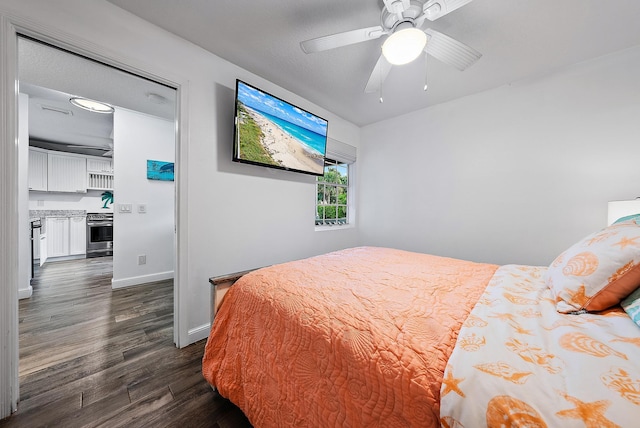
x=272, y=132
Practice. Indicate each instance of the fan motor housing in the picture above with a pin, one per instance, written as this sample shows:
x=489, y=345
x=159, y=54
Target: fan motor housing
x=389, y=21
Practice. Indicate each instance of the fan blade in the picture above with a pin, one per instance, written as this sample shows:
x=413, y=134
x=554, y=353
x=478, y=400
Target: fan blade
x=378, y=75
x=341, y=39
x=450, y=51
x=434, y=9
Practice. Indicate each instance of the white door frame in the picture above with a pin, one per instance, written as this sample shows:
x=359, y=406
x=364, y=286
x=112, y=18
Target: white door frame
x=10, y=27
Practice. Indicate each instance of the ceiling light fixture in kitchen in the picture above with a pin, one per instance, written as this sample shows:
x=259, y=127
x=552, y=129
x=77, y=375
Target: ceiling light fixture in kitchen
x=91, y=105
x=156, y=98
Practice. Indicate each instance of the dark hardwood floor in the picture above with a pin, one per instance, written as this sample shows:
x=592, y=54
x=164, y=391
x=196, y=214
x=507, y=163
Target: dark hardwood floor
x=90, y=356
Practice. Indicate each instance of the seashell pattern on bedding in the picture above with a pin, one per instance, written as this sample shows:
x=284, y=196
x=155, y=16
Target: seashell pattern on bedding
x=583, y=264
x=567, y=371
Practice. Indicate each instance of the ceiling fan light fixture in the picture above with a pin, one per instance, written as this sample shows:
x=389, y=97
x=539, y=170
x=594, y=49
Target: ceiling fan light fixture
x=91, y=105
x=404, y=45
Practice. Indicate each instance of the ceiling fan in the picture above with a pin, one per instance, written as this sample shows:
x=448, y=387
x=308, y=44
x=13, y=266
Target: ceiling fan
x=402, y=20
x=108, y=151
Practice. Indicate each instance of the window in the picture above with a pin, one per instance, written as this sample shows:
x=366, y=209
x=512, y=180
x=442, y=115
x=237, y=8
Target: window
x=335, y=190
x=332, y=206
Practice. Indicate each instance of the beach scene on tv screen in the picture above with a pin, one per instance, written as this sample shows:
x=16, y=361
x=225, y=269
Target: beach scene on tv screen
x=273, y=132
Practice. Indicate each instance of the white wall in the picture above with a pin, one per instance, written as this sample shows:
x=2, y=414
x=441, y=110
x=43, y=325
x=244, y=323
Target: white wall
x=231, y=216
x=137, y=138
x=511, y=175
x=90, y=202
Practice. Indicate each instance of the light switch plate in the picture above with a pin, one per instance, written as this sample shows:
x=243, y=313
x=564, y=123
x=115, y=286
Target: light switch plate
x=125, y=208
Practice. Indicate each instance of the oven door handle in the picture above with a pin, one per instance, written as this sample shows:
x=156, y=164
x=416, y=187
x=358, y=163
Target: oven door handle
x=99, y=224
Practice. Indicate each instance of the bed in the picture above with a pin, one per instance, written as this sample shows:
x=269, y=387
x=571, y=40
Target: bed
x=368, y=337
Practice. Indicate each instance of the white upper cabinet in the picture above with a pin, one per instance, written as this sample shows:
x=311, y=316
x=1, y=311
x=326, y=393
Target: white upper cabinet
x=99, y=173
x=37, y=170
x=67, y=173
x=99, y=165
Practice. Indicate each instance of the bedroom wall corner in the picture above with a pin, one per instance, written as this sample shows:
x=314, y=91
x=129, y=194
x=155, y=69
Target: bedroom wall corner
x=511, y=175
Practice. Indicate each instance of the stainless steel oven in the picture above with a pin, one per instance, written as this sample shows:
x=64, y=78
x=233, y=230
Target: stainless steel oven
x=99, y=234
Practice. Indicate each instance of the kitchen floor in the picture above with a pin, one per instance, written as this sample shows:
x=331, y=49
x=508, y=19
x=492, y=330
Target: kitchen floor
x=36, y=271
x=93, y=356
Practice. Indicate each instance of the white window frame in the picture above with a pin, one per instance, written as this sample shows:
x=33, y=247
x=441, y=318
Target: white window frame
x=344, y=154
x=348, y=205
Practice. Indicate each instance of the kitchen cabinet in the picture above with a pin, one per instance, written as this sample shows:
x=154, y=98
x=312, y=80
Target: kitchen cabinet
x=36, y=243
x=39, y=246
x=77, y=236
x=66, y=236
x=99, y=174
x=57, y=236
x=38, y=160
x=99, y=165
x=99, y=181
x=43, y=249
x=66, y=173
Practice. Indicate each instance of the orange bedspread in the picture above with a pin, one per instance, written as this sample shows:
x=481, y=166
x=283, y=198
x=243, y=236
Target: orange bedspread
x=354, y=338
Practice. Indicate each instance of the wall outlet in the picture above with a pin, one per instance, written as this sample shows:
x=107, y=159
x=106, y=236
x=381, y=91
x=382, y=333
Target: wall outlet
x=142, y=208
x=142, y=259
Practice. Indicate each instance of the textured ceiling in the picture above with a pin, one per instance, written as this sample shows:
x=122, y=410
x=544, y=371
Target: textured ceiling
x=51, y=76
x=518, y=39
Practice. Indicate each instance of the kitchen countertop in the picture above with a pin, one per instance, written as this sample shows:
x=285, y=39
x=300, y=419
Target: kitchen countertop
x=56, y=213
x=43, y=214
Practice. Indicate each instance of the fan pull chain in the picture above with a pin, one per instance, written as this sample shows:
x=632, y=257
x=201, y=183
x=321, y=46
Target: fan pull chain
x=426, y=71
x=380, y=75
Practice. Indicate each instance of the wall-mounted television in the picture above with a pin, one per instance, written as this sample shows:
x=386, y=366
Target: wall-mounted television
x=274, y=133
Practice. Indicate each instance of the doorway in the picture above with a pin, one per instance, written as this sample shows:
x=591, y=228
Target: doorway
x=11, y=27
x=141, y=106
x=111, y=149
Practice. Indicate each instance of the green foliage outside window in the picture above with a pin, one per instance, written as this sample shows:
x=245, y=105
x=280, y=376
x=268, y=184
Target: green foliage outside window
x=332, y=194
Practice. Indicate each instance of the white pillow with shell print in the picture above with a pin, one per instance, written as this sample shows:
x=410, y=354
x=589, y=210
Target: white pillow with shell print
x=597, y=272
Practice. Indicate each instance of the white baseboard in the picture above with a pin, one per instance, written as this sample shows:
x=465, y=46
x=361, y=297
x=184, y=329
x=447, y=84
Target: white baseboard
x=142, y=279
x=199, y=333
x=25, y=293
x=65, y=258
